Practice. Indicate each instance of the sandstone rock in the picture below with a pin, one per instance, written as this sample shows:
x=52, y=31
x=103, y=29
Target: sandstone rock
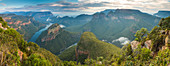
x=20, y=53
x=167, y=41
x=148, y=44
x=134, y=44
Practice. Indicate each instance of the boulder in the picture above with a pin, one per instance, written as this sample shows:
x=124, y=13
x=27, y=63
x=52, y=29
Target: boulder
x=167, y=41
x=134, y=44
x=148, y=44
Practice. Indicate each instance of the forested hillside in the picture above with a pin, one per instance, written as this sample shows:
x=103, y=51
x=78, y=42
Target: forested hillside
x=56, y=39
x=14, y=51
x=25, y=25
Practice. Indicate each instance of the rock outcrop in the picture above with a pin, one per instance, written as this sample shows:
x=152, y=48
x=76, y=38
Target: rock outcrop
x=134, y=45
x=148, y=44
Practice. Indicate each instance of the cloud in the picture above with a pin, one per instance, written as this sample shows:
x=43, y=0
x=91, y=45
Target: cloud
x=3, y=4
x=92, y=6
x=62, y=26
x=122, y=40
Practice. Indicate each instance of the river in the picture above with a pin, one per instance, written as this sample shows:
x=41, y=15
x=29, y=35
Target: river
x=37, y=34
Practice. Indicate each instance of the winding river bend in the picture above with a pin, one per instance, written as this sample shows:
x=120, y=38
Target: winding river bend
x=37, y=34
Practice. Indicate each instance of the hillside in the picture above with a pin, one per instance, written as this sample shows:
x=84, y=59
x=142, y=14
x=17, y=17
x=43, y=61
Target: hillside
x=71, y=21
x=14, y=51
x=121, y=23
x=162, y=14
x=55, y=39
x=89, y=47
x=148, y=49
x=25, y=25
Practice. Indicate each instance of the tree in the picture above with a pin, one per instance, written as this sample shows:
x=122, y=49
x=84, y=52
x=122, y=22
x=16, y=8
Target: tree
x=165, y=23
x=128, y=50
x=141, y=33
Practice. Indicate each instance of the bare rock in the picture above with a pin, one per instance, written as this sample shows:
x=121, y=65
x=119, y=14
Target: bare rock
x=134, y=44
x=148, y=44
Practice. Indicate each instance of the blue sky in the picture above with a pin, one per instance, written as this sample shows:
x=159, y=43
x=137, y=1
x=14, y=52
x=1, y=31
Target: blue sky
x=76, y=7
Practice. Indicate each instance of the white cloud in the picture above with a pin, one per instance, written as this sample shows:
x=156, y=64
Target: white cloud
x=91, y=6
x=122, y=40
x=62, y=26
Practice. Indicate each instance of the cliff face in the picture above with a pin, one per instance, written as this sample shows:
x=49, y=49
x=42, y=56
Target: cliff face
x=56, y=39
x=25, y=25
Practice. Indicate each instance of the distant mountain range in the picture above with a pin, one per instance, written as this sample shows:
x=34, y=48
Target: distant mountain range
x=162, y=14
x=39, y=16
x=72, y=21
x=121, y=23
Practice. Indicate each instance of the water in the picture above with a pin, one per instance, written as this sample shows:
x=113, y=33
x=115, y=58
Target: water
x=37, y=34
x=68, y=47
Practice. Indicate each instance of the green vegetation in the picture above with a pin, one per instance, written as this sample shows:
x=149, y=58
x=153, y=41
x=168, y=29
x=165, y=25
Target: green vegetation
x=55, y=39
x=89, y=47
x=71, y=21
x=15, y=51
x=141, y=33
x=158, y=54
x=68, y=54
x=120, y=23
x=17, y=21
x=89, y=51
x=164, y=23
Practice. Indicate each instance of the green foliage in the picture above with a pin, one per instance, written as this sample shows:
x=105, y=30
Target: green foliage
x=141, y=33
x=15, y=51
x=107, y=28
x=68, y=54
x=36, y=60
x=145, y=54
x=4, y=25
x=128, y=50
x=94, y=48
x=164, y=23
x=26, y=30
x=62, y=39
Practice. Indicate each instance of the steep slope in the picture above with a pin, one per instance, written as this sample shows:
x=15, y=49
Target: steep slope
x=56, y=39
x=25, y=25
x=14, y=51
x=89, y=47
x=121, y=23
x=39, y=16
x=68, y=54
x=162, y=14
x=71, y=21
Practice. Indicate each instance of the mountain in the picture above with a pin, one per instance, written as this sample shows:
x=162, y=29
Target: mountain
x=56, y=39
x=107, y=11
x=14, y=51
x=71, y=21
x=121, y=23
x=162, y=14
x=38, y=16
x=90, y=47
x=25, y=25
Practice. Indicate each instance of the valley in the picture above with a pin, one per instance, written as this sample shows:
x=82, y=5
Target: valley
x=111, y=37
